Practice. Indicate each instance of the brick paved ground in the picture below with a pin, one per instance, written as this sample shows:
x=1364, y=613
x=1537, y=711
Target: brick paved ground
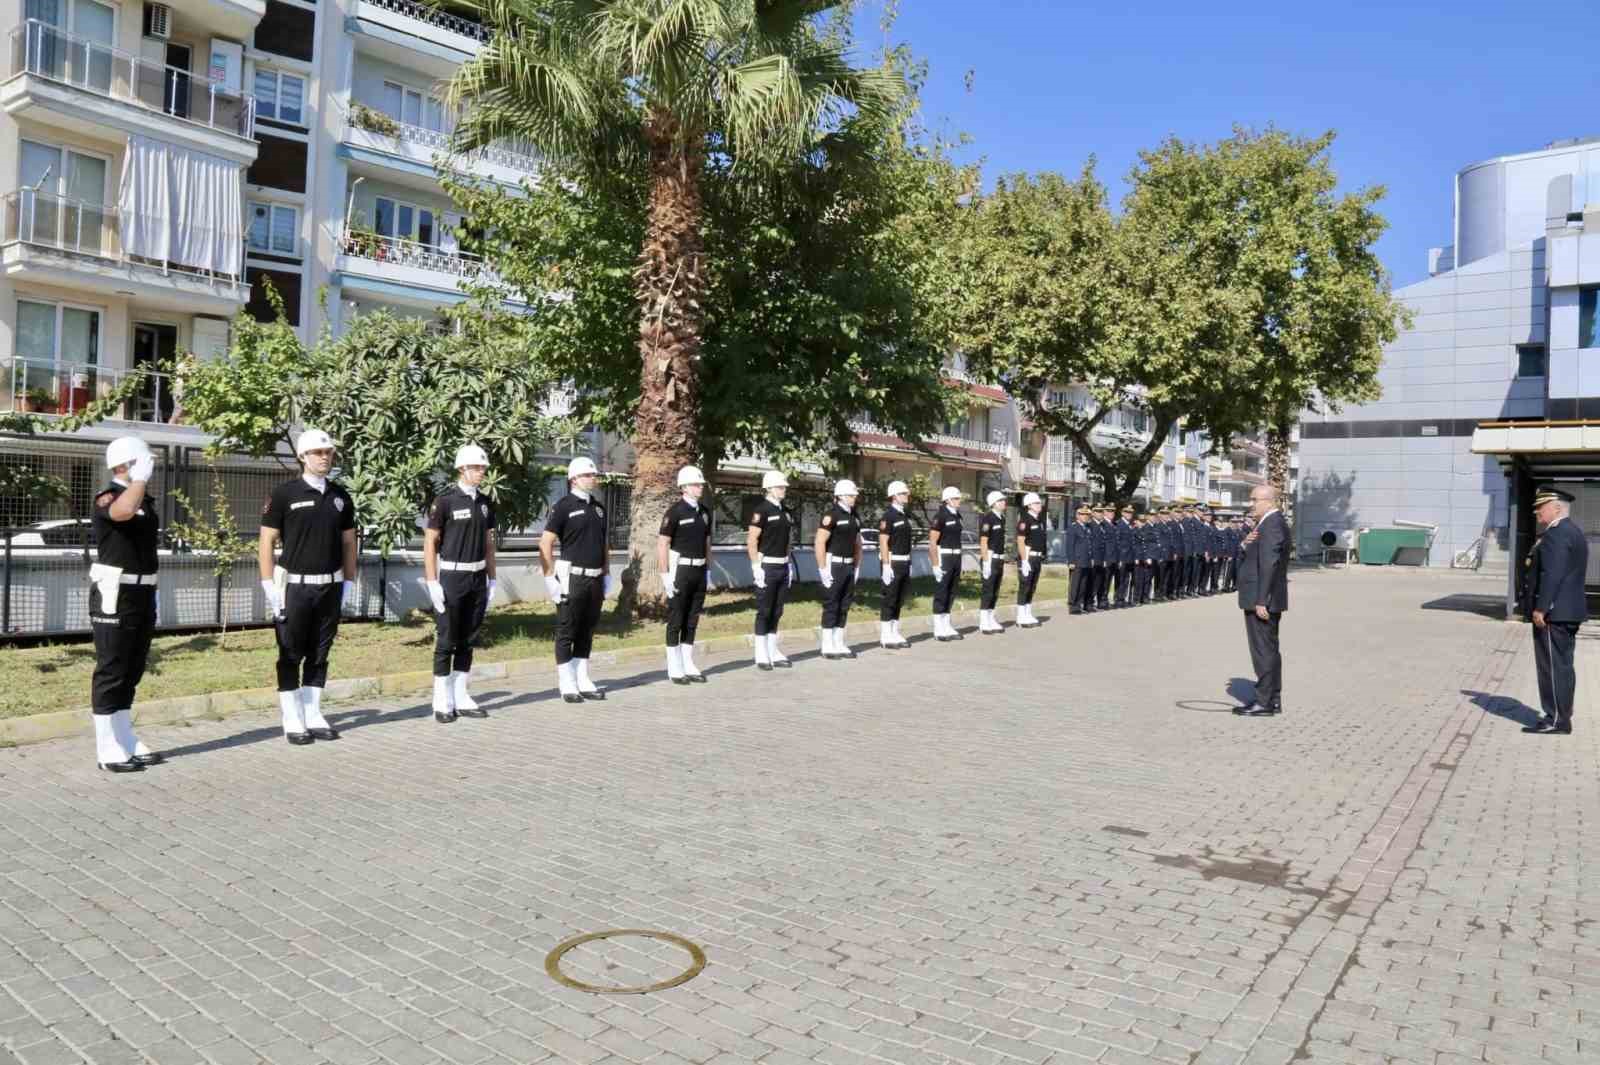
x=1053, y=846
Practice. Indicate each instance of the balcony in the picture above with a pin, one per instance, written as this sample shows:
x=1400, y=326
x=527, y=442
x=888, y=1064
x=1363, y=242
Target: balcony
x=415, y=35
x=42, y=386
x=68, y=81
x=407, y=272
x=381, y=146
x=77, y=245
x=956, y=449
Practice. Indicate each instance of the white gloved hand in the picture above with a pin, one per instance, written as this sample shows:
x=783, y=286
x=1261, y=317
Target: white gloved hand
x=143, y=468
x=888, y=575
x=758, y=573
x=938, y=573
x=274, y=604
x=436, y=593
x=825, y=575
x=347, y=600
x=493, y=585
x=668, y=585
x=553, y=587
x=1027, y=568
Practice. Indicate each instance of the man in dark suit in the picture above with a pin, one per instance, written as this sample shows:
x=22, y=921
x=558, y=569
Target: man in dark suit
x=1264, y=596
x=1556, y=597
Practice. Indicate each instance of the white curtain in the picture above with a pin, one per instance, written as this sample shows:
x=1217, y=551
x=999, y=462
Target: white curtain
x=181, y=206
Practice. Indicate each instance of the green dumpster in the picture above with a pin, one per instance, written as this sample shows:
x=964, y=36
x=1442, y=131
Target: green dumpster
x=1380, y=547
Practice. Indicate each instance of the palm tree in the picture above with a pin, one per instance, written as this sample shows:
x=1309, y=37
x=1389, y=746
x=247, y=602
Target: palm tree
x=657, y=90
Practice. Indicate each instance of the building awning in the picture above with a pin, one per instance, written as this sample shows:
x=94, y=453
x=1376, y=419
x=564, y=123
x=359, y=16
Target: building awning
x=1557, y=449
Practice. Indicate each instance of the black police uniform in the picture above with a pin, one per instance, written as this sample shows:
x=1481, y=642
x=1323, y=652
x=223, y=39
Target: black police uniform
x=312, y=525
x=1193, y=546
x=992, y=531
x=895, y=524
x=122, y=635
x=774, y=539
x=1033, y=533
x=948, y=524
x=1171, y=539
x=1080, y=553
x=842, y=534
x=1105, y=556
x=1141, y=570
x=687, y=526
x=463, y=521
x=579, y=526
x=1556, y=587
x=1122, y=538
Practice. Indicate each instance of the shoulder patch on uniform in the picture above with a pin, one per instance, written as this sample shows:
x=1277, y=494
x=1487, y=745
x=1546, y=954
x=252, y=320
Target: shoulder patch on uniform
x=105, y=499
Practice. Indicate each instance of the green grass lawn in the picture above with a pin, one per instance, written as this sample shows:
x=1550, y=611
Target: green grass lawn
x=46, y=677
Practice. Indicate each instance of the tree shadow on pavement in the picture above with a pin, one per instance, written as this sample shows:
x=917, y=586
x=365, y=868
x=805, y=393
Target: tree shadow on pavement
x=1492, y=607
x=1514, y=710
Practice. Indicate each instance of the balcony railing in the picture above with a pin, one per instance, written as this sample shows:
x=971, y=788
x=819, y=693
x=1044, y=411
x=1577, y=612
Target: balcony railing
x=372, y=120
x=44, y=386
x=75, y=227
x=395, y=251
x=861, y=425
x=46, y=52
x=444, y=20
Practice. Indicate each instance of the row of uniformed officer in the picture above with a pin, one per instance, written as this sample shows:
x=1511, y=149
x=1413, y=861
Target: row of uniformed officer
x=1176, y=553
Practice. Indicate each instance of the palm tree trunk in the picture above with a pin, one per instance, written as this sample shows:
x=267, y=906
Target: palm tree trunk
x=670, y=287
x=1278, y=464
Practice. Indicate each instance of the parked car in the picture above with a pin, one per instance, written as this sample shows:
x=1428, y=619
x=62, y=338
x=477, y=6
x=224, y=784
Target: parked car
x=63, y=536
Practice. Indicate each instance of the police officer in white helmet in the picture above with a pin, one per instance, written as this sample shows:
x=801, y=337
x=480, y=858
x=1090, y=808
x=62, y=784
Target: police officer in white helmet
x=894, y=563
x=682, y=550
x=458, y=568
x=991, y=561
x=580, y=581
x=123, y=602
x=769, y=540
x=838, y=547
x=1032, y=544
x=315, y=518
x=944, y=555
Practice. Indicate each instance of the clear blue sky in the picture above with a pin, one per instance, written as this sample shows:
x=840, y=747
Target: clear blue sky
x=1415, y=90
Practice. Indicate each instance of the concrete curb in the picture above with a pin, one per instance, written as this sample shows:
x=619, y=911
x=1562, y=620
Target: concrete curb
x=60, y=724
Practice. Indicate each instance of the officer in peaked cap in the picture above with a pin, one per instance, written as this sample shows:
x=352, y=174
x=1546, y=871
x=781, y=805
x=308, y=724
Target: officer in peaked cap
x=682, y=550
x=458, y=568
x=1557, y=607
x=580, y=581
x=944, y=555
x=1080, y=563
x=123, y=601
x=1032, y=546
x=315, y=519
x=991, y=561
x=1122, y=538
x=839, y=567
x=894, y=563
x=769, y=541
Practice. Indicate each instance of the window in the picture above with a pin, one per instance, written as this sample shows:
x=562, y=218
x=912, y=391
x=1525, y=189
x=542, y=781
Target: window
x=55, y=337
x=1588, y=321
x=1183, y=438
x=1530, y=360
x=273, y=227
x=280, y=96
x=287, y=30
x=405, y=221
x=412, y=107
x=1059, y=398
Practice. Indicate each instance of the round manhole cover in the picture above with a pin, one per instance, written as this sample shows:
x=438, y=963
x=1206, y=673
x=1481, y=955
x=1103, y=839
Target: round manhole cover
x=624, y=961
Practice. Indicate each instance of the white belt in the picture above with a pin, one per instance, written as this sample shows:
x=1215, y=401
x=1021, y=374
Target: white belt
x=581, y=572
x=469, y=567
x=313, y=578
x=691, y=562
x=899, y=558
x=770, y=560
x=137, y=578
x=847, y=559
x=950, y=550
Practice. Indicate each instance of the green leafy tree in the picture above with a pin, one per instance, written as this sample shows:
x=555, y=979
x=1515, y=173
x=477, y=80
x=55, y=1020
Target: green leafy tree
x=19, y=479
x=656, y=102
x=213, y=531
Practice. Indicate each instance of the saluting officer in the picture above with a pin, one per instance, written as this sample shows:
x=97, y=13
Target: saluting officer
x=1080, y=563
x=458, y=567
x=839, y=566
x=894, y=563
x=315, y=519
x=991, y=561
x=122, y=602
x=1558, y=608
x=944, y=555
x=681, y=552
x=1032, y=546
x=768, y=542
x=580, y=581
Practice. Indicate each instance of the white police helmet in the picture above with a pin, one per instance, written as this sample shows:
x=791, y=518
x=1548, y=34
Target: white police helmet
x=312, y=440
x=124, y=450
x=690, y=475
x=845, y=487
x=950, y=492
x=773, y=479
x=471, y=455
x=898, y=488
x=1031, y=498
x=994, y=497
x=580, y=466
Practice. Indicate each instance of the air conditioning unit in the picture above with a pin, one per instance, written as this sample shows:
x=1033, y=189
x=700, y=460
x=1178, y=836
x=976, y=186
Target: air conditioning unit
x=158, y=21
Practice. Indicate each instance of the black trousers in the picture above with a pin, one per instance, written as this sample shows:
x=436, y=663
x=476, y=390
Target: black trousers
x=1216, y=574
x=577, y=617
x=990, y=593
x=306, y=629
x=1102, y=584
x=1078, y=578
x=771, y=597
x=466, y=598
x=836, y=600
x=944, y=593
x=1553, y=647
x=1265, y=656
x=894, y=593
x=1233, y=574
x=1027, y=585
x=683, y=609
x=121, y=645
x=1124, y=583
x=1143, y=572
x=1174, y=583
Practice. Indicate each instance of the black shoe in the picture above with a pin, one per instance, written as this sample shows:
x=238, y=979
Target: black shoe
x=571, y=697
x=444, y=719
x=153, y=758
x=697, y=678
x=477, y=712
x=594, y=696
x=1254, y=710
x=765, y=667
x=323, y=733
x=783, y=663
x=299, y=739
x=947, y=639
x=679, y=680
x=130, y=766
x=1549, y=728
